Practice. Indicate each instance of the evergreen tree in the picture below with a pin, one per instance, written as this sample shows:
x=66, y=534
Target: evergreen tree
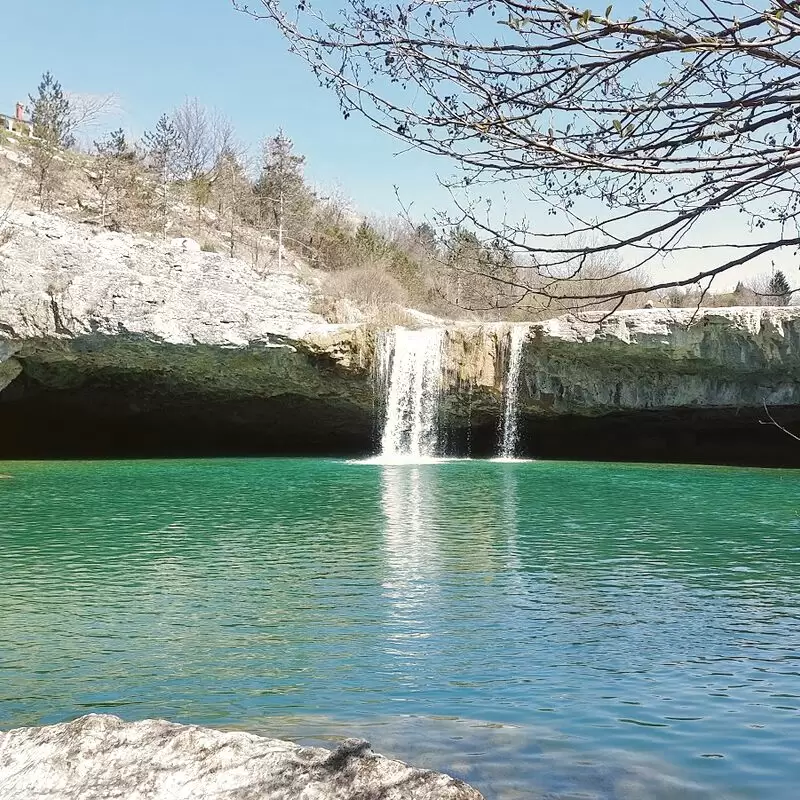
x=114, y=145
x=52, y=130
x=370, y=245
x=162, y=149
x=478, y=273
x=50, y=113
x=780, y=289
x=281, y=191
x=426, y=237
x=234, y=189
x=162, y=146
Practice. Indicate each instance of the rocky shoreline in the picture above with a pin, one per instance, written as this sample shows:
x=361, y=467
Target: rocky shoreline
x=97, y=757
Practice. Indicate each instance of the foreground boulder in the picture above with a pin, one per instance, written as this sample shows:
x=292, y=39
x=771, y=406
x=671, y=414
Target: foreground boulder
x=98, y=757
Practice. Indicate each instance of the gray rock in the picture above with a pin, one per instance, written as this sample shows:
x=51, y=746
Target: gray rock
x=642, y=360
x=61, y=279
x=184, y=243
x=9, y=370
x=100, y=757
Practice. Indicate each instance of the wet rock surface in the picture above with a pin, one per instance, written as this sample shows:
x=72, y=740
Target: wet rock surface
x=98, y=757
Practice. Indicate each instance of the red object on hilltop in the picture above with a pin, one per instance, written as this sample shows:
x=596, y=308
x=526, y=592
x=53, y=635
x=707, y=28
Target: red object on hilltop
x=20, y=114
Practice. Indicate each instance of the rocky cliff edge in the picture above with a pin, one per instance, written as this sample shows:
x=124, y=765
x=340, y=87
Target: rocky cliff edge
x=123, y=333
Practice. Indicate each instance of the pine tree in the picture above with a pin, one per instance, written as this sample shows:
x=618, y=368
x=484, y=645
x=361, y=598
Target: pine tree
x=52, y=131
x=425, y=236
x=370, y=245
x=780, y=289
x=234, y=188
x=110, y=177
x=50, y=113
x=281, y=190
x=162, y=149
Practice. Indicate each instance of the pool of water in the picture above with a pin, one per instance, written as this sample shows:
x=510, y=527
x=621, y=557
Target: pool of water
x=574, y=630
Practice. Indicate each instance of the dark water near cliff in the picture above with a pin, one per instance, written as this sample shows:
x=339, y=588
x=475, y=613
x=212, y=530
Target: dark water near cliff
x=585, y=630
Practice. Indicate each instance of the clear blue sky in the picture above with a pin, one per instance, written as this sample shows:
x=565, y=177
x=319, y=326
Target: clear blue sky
x=154, y=53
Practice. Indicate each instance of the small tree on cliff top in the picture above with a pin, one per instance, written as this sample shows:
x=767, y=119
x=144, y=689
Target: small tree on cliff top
x=234, y=190
x=52, y=131
x=281, y=191
x=162, y=149
x=110, y=176
x=780, y=289
x=631, y=130
x=50, y=113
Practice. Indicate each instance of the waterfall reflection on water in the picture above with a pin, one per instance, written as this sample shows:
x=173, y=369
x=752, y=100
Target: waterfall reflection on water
x=529, y=627
x=412, y=556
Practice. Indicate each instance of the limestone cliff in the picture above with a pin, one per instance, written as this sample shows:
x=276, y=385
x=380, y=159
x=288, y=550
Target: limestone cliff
x=648, y=359
x=136, y=337
x=115, y=345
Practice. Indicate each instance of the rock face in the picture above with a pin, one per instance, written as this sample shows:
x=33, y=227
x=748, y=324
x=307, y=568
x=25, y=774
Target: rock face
x=98, y=757
x=113, y=345
x=653, y=384
x=59, y=279
x=648, y=359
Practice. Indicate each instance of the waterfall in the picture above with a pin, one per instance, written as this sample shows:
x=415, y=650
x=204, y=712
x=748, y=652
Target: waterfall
x=410, y=372
x=510, y=435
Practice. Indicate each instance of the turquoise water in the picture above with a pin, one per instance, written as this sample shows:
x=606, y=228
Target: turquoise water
x=583, y=630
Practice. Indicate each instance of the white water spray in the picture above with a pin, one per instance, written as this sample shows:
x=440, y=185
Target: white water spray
x=410, y=370
x=510, y=431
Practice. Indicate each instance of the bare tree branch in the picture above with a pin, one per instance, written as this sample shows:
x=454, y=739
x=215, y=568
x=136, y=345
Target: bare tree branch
x=776, y=424
x=632, y=132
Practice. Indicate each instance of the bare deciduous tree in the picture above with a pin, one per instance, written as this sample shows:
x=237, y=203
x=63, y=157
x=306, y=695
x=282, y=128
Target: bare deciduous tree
x=203, y=136
x=87, y=112
x=111, y=174
x=634, y=131
x=234, y=190
x=192, y=125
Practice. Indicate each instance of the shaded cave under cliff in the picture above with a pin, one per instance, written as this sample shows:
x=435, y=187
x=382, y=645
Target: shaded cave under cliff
x=103, y=420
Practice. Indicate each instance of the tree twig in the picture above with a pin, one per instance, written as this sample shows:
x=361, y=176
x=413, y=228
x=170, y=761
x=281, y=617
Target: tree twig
x=775, y=423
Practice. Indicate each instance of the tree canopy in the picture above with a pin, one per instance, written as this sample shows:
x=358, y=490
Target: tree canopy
x=619, y=129
x=281, y=189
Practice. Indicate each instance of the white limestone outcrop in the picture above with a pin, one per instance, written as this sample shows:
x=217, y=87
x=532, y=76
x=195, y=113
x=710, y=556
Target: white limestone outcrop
x=100, y=757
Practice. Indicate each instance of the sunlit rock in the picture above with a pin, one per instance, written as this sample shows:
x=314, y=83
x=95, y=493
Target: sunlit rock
x=98, y=757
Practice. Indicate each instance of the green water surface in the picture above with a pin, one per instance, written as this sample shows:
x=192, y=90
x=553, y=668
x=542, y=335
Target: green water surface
x=579, y=630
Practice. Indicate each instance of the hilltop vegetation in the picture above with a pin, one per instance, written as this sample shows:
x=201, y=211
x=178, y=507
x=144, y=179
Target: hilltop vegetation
x=189, y=176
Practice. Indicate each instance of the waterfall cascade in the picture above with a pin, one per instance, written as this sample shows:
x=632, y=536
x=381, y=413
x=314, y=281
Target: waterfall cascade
x=410, y=372
x=410, y=375
x=509, y=435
